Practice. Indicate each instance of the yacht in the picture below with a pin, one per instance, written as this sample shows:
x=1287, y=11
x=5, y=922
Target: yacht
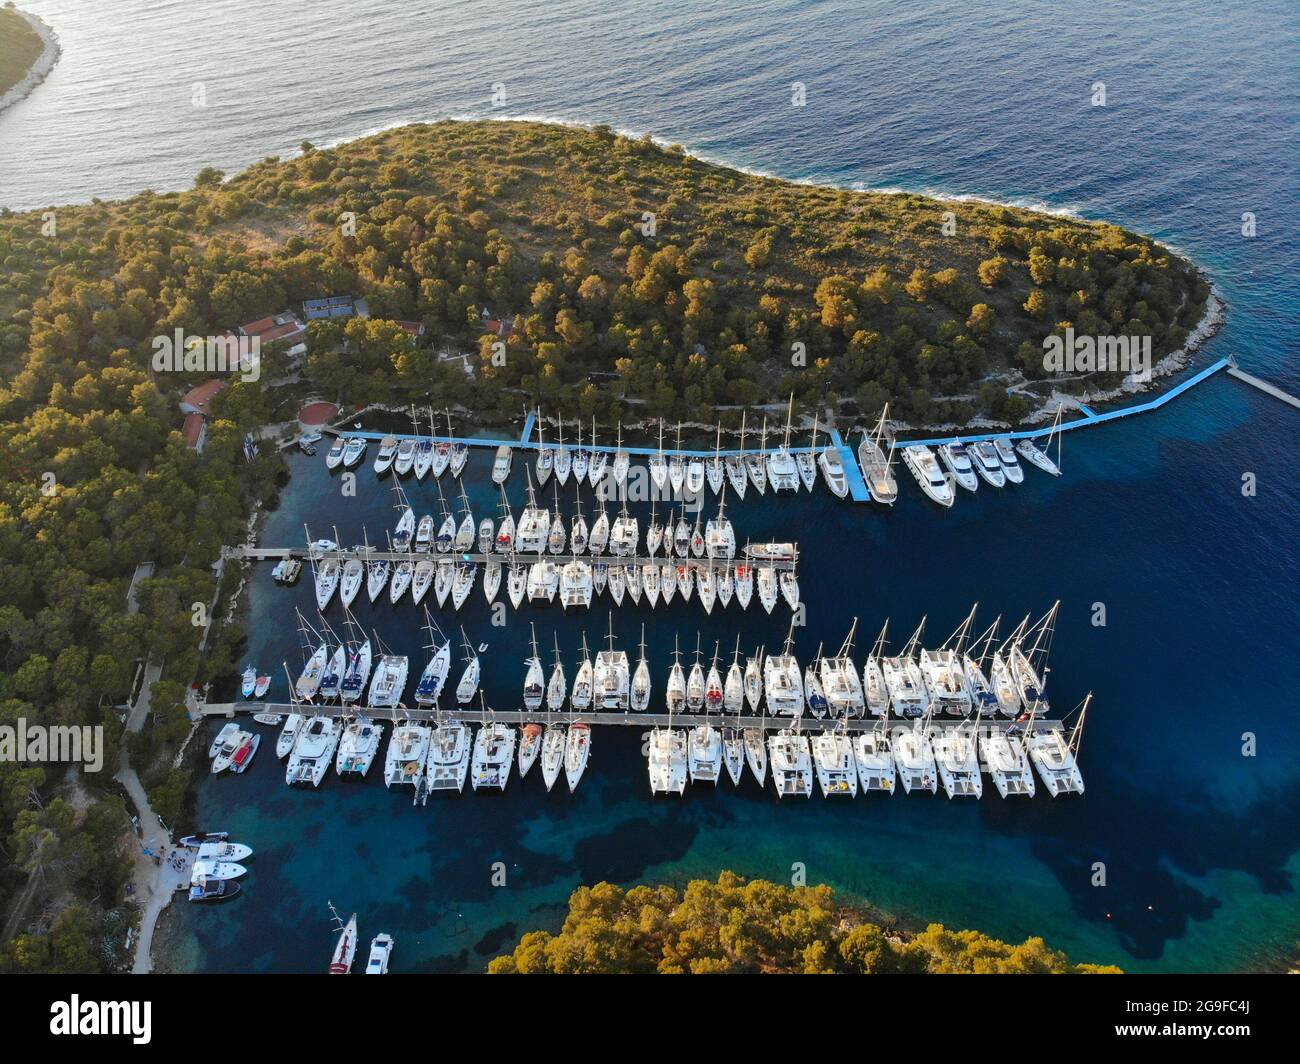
x=611, y=677
x=733, y=753
x=1007, y=456
x=577, y=749
x=713, y=469
x=422, y=579
x=440, y=458
x=545, y=456
x=424, y=534
x=403, y=572
x=220, y=850
x=227, y=743
x=984, y=458
x=622, y=462
x=557, y=686
x=756, y=754
x=782, y=470
x=354, y=574
x=654, y=533
x=945, y=682
x=517, y=583
x=494, y=757
x=650, y=583
x=389, y=683
x=1004, y=686
x=625, y=534
x=1055, y=757
x=463, y=583
x=920, y=460
x=354, y=452
x=447, y=764
x=332, y=680
x=723, y=579
x=357, y=747
x=207, y=870
x=501, y=464
x=468, y=686
x=754, y=680
x=668, y=761
x=387, y=453
x=381, y=949
x=423, y=461
x=434, y=677
x=535, y=680
x=877, y=466
x=543, y=582
x=640, y=695
x=534, y=526
x=677, y=467
x=745, y=585
x=599, y=577
x=1029, y=667
x=782, y=683
x=956, y=757
x=955, y=456
x=346, y=947
x=1003, y=754
x=675, y=696
x=791, y=764
x=575, y=585
x=554, y=743
x=704, y=754
x=599, y=460
x=288, y=733
x=914, y=760
x=459, y=453
x=312, y=752
x=408, y=749
x=530, y=745
x=405, y=460
x=874, y=758
x=404, y=530
x=756, y=463
x=682, y=535
x=334, y=456
x=694, y=475
x=556, y=538
x=733, y=690
x=832, y=467
x=873, y=687
x=832, y=756
x=906, y=687
x=563, y=457
x=505, y=538
x=580, y=459
x=658, y=466
x=1031, y=453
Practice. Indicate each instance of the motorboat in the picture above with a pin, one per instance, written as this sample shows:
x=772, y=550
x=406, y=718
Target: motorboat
x=921, y=461
x=985, y=461
x=334, y=456
x=387, y=453
x=405, y=460
x=222, y=750
x=955, y=456
x=832, y=467
x=486, y=537
x=1007, y=456
x=501, y=464
x=381, y=949
x=288, y=733
x=354, y=452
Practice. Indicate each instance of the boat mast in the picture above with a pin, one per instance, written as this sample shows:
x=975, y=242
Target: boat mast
x=1077, y=734
x=958, y=638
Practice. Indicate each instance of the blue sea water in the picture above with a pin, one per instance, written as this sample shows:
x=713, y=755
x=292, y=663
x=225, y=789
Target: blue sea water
x=1199, y=581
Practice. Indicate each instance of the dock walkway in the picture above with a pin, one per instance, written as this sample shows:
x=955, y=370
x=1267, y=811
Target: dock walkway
x=262, y=554
x=1263, y=386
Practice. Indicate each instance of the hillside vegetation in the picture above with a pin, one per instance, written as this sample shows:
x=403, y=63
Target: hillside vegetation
x=20, y=47
x=735, y=925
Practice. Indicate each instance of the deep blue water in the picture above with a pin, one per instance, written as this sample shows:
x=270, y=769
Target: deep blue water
x=987, y=99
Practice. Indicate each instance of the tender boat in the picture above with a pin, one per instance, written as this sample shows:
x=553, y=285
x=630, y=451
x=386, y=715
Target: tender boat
x=381, y=949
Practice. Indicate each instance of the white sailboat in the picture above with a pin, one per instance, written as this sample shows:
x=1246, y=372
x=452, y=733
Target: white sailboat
x=1055, y=757
x=832, y=755
x=494, y=755
x=622, y=462
x=578, y=534
x=545, y=455
x=914, y=759
x=874, y=757
x=782, y=683
x=599, y=460
x=956, y=757
x=423, y=461
x=580, y=459
x=389, y=682
x=447, y=763
x=469, y=679
x=744, y=580
x=904, y=682
x=782, y=471
x=577, y=750
x=658, y=466
x=677, y=467
x=612, y=678
x=807, y=462
x=563, y=456
x=535, y=679
x=877, y=465
x=557, y=686
x=735, y=463
x=313, y=751
x=714, y=470
x=1031, y=453
x=791, y=763
x=434, y=677
x=640, y=695
x=358, y=746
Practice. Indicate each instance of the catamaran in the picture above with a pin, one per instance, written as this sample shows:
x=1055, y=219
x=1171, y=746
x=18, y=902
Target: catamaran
x=920, y=460
x=874, y=757
x=625, y=534
x=876, y=465
x=704, y=754
x=782, y=471
x=791, y=763
x=1031, y=453
x=575, y=585
x=956, y=757
x=358, y=746
x=668, y=760
x=903, y=679
x=534, y=525
x=1003, y=753
x=494, y=756
x=782, y=683
x=914, y=759
x=955, y=456
x=719, y=536
x=983, y=698
x=612, y=678
x=313, y=751
x=389, y=682
x=840, y=681
x=1055, y=757
x=447, y=762
x=1007, y=457
x=832, y=756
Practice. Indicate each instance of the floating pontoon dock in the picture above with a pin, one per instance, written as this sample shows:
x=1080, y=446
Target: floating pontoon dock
x=262, y=554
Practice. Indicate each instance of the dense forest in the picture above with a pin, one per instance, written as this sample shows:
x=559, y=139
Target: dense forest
x=747, y=926
x=694, y=284
x=20, y=47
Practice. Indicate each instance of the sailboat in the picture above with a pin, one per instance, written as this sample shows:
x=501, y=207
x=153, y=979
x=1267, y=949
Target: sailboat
x=791, y=763
x=640, y=697
x=807, y=462
x=534, y=680
x=904, y=682
x=704, y=754
x=447, y=529
x=327, y=577
x=695, y=475
x=754, y=681
x=714, y=470
x=468, y=686
x=833, y=759
x=658, y=466
x=599, y=460
x=755, y=739
x=677, y=466
x=494, y=754
x=944, y=673
x=315, y=657
x=873, y=678
x=389, y=681
x=578, y=535
x=695, y=682
x=840, y=682
x=557, y=686
x=545, y=455
x=580, y=459
x=403, y=572
x=338, y=662
x=505, y=538
x=744, y=579
x=563, y=457
x=812, y=686
x=956, y=757
x=534, y=524
x=492, y=578
x=464, y=539
x=599, y=537
x=516, y=582
x=423, y=460
x=441, y=451
x=719, y=536
x=654, y=533
x=876, y=465
x=667, y=758
x=650, y=583
x=530, y=746
x=733, y=739
x=1029, y=666
x=554, y=743
x=914, y=759
x=735, y=464
x=756, y=463
x=983, y=698
x=577, y=750
x=612, y=677
x=1031, y=453
x=782, y=683
x=874, y=756
x=408, y=753
x=434, y=676
x=556, y=538
x=622, y=461
x=580, y=699
x=345, y=949
x=447, y=763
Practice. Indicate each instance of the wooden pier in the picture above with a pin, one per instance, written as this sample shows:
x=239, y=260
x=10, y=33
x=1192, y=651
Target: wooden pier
x=1263, y=386
x=472, y=715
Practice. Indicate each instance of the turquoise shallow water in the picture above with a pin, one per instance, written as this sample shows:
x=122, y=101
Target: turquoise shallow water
x=977, y=98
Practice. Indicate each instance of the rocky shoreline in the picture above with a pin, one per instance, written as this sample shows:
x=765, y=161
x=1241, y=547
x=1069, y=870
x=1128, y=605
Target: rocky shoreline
x=44, y=62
